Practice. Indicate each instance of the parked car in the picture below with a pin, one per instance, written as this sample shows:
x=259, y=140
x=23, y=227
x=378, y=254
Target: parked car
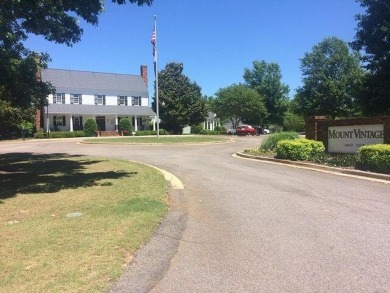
x=245, y=130
x=261, y=130
x=231, y=131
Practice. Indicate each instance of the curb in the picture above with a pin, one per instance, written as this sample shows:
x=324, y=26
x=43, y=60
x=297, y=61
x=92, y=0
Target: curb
x=151, y=262
x=371, y=175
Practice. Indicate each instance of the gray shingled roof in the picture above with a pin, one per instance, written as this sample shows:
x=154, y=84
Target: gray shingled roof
x=91, y=83
x=100, y=110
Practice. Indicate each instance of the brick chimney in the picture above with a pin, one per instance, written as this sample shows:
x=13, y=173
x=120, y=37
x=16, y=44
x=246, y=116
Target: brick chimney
x=144, y=74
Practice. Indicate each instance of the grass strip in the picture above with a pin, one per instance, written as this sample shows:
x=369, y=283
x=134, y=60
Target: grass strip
x=72, y=223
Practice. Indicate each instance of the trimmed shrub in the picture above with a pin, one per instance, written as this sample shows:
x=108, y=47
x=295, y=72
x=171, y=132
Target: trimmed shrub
x=40, y=134
x=59, y=134
x=208, y=132
x=375, y=158
x=299, y=149
x=270, y=142
x=125, y=127
x=90, y=127
x=149, y=132
x=79, y=133
x=196, y=129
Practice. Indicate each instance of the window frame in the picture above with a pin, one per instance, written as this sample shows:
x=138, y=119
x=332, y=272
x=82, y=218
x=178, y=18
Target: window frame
x=136, y=101
x=100, y=97
x=59, y=98
x=76, y=96
x=122, y=100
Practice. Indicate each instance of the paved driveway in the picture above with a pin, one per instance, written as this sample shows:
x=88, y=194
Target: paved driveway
x=250, y=226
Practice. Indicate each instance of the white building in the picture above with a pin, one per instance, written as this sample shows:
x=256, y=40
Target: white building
x=105, y=97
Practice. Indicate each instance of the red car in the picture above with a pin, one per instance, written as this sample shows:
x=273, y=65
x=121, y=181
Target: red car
x=245, y=130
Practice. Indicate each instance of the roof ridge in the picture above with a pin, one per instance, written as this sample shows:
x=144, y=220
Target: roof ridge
x=87, y=71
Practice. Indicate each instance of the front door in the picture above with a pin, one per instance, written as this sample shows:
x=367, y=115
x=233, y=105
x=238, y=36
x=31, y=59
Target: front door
x=101, y=123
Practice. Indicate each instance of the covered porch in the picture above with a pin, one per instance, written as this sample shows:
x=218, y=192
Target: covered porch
x=65, y=117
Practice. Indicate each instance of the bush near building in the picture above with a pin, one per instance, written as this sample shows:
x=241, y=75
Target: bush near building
x=125, y=127
x=90, y=127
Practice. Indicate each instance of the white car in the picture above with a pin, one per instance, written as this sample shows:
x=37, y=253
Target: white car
x=231, y=131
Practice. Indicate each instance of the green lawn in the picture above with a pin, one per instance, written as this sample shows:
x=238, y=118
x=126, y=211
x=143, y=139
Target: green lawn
x=71, y=223
x=161, y=140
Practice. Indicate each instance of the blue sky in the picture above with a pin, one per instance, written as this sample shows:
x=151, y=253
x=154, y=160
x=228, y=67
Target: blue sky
x=214, y=39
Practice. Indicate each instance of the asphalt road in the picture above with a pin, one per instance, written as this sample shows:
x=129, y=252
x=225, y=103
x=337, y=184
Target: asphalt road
x=250, y=226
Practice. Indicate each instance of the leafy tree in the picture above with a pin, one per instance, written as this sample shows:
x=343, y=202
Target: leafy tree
x=238, y=103
x=373, y=37
x=14, y=119
x=331, y=77
x=181, y=101
x=56, y=21
x=293, y=122
x=265, y=78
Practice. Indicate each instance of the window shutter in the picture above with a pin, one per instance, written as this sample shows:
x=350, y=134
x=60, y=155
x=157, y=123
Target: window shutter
x=55, y=99
x=63, y=98
x=139, y=101
x=95, y=99
x=126, y=101
x=119, y=100
x=71, y=99
x=63, y=121
x=81, y=121
x=80, y=99
x=104, y=99
x=55, y=120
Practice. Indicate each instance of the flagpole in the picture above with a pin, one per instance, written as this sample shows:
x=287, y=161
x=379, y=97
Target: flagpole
x=156, y=77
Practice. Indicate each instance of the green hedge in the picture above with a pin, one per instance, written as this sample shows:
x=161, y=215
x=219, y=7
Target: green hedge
x=209, y=132
x=270, y=142
x=59, y=134
x=299, y=149
x=375, y=158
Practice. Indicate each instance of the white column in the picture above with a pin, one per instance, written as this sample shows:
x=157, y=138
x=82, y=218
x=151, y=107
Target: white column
x=116, y=123
x=71, y=123
x=135, y=123
x=154, y=123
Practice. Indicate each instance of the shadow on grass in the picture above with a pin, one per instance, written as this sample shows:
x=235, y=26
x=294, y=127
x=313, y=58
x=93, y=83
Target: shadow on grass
x=22, y=173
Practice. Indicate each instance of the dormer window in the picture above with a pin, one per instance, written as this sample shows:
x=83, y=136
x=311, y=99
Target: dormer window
x=136, y=101
x=100, y=99
x=59, y=98
x=122, y=100
x=75, y=99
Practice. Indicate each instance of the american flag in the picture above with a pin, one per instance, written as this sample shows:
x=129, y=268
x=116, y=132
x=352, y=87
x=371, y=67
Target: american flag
x=153, y=41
